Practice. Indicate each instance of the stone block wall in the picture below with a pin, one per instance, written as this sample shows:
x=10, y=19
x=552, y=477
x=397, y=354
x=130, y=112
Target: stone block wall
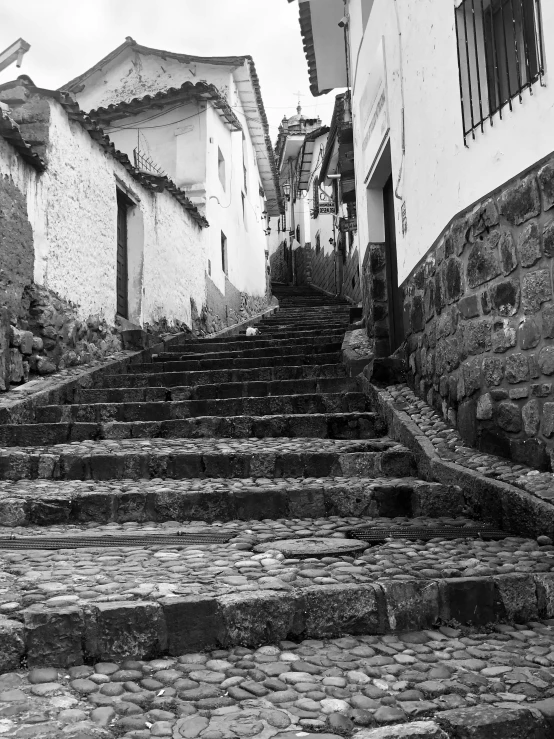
x=303, y=264
x=375, y=298
x=479, y=321
x=351, y=285
x=323, y=270
x=221, y=311
x=278, y=262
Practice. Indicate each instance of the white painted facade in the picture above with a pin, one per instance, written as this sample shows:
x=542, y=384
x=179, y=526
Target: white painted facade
x=72, y=209
x=189, y=141
x=404, y=72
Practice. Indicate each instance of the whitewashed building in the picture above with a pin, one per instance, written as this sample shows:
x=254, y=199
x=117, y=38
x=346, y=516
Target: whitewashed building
x=453, y=111
x=201, y=122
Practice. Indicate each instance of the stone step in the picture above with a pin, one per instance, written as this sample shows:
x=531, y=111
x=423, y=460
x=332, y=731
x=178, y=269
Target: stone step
x=46, y=502
x=238, y=363
x=254, y=342
x=361, y=425
x=216, y=390
x=185, y=458
x=269, y=373
x=108, y=604
x=250, y=352
x=315, y=403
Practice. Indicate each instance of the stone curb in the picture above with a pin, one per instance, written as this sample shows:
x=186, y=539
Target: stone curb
x=57, y=391
x=72, y=635
x=534, y=721
x=497, y=502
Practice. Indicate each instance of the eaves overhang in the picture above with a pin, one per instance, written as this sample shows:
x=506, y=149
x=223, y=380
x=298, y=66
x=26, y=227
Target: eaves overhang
x=10, y=131
x=188, y=92
x=248, y=84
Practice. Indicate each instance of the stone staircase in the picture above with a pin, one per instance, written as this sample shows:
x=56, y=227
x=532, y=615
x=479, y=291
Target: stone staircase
x=215, y=432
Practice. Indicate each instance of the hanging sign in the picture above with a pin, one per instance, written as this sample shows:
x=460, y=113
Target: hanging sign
x=348, y=224
x=326, y=202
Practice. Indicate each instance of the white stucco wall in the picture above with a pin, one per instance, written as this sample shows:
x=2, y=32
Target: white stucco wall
x=246, y=241
x=440, y=175
x=72, y=209
x=134, y=74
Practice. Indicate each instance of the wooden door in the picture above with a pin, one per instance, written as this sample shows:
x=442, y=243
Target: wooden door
x=122, y=263
x=396, y=325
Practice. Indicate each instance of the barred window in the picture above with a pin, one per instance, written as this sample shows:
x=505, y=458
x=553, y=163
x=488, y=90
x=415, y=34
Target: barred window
x=500, y=54
x=315, y=210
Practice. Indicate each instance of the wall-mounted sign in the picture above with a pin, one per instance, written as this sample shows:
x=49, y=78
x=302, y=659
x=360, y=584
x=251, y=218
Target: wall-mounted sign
x=374, y=111
x=348, y=224
x=326, y=208
x=326, y=202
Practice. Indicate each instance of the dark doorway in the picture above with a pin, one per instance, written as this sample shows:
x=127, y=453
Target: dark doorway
x=394, y=293
x=122, y=258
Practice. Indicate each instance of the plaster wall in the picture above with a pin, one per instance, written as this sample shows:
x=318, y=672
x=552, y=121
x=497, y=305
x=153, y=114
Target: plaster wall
x=134, y=74
x=72, y=210
x=439, y=175
x=246, y=241
x=175, y=140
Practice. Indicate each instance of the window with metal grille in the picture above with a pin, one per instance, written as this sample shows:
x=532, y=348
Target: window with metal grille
x=500, y=54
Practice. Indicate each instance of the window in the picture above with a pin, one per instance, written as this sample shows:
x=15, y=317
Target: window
x=317, y=242
x=221, y=167
x=224, y=265
x=499, y=55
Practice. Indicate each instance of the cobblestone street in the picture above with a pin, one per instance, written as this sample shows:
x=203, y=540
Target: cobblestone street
x=271, y=629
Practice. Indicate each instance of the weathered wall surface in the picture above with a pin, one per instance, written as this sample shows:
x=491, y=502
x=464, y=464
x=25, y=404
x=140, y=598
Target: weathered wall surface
x=58, y=249
x=479, y=316
x=135, y=74
x=440, y=176
x=279, y=262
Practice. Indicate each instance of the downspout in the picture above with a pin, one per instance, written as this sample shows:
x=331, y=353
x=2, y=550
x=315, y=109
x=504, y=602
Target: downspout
x=403, y=127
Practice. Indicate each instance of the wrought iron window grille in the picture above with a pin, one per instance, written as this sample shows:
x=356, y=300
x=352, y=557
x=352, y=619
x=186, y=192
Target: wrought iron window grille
x=500, y=55
x=144, y=163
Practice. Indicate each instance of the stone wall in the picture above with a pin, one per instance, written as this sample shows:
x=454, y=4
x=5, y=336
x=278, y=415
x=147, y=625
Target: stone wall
x=303, y=265
x=16, y=243
x=221, y=311
x=479, y=318
x=278, y=262
x=323, y=270
x=375, y=298
x=351, y=285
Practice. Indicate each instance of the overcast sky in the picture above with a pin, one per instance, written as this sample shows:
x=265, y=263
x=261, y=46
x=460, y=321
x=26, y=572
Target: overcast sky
x=69, y=36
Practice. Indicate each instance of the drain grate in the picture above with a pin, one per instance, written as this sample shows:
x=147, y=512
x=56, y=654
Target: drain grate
x=378, y=535
x=78, y=542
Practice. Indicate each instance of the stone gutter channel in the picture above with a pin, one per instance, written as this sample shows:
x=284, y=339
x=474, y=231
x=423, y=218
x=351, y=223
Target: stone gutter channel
x=397, y=668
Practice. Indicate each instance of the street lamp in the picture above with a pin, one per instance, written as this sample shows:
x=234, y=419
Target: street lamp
x=286, y=190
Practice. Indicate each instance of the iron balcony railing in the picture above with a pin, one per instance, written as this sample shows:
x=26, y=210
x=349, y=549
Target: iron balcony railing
x=500, y=54
x=146, y=164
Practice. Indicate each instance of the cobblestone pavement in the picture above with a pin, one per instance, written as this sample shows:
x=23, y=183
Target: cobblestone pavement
x=287, y=689
x=59, y=578
x=450, y=447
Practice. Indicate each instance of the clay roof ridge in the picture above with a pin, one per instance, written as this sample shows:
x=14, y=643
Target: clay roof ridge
x=202, y=89
x=131, y=43
x=10, y=131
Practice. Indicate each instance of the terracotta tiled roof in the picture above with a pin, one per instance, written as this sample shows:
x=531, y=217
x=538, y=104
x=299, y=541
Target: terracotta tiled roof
x=308, y=43
x=131, y=43
x=187, y=91
x=150, y=182
x=10, y=131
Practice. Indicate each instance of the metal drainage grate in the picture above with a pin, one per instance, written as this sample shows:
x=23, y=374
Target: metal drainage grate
x=78, y=542
x=379, y=535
